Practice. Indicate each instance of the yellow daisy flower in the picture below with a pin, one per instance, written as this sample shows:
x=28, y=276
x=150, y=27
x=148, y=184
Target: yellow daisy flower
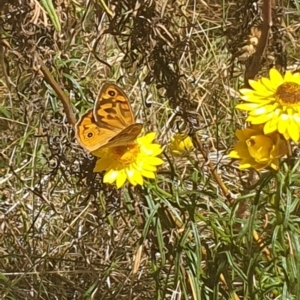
x=180, y=144
x=274, y=102
x=257, y=150
x=131, y=162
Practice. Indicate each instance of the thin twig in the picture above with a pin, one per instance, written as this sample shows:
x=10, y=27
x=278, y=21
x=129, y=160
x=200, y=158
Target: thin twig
x=61, y=95
x=252, y=70
x=212, y=168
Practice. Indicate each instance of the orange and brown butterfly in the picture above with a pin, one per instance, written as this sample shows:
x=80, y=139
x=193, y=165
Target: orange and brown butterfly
x=110, y=123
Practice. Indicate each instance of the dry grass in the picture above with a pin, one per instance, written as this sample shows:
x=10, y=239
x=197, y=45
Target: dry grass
x=66, y=235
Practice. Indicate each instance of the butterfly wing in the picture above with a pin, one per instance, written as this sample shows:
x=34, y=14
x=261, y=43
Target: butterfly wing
x=126, y=136
x=89, y=134
x=110, y=124
x=112, y=109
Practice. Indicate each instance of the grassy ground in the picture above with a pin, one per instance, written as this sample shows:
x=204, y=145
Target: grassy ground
x=65, y=234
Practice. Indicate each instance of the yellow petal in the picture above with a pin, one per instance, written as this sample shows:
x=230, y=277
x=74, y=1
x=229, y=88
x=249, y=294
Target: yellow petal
x=137, y=178
x=259, y=111
x=247, y=106
x=283, y=123
x=121, y=178
x=275, y=76
x=271, y=126
x=134, y=177
x=155, y=161
x=233, y=154
x=268, y=84
x=246, y=91
x=259, y=119
x=102, y=165
x=293, y=131
x=100, y=152
x=256, y=85
x=147, y=139
x=110, y=176
x=288, y=77
x=275, y=164
x=143, y=165
x=152, y=149
x=147, y=174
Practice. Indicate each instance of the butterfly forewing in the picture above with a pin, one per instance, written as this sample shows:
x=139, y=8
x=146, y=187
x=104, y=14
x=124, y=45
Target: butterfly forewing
x=112, y=109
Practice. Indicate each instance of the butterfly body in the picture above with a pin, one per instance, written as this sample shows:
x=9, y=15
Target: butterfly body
x=110, y=123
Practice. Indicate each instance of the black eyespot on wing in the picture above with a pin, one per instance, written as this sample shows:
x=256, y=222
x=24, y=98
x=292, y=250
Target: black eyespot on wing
x=90, y=135
x=111, y=93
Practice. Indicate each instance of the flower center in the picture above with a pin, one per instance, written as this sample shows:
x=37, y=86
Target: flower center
x=288, y=94
x=126, y=155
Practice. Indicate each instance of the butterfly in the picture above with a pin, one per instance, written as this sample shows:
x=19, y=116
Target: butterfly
x=110, y=123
